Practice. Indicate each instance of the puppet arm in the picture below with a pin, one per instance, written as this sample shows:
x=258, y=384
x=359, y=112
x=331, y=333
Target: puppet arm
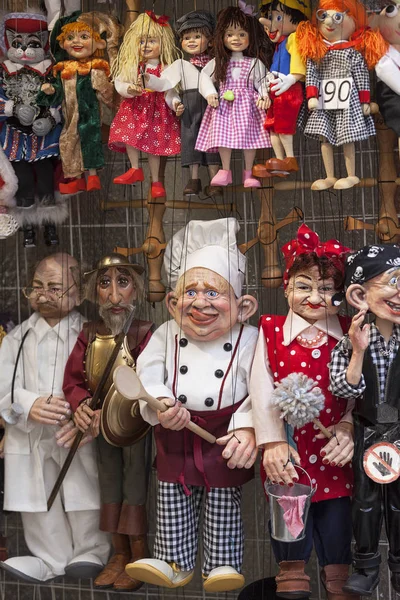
x=122, y=88
x=297, y=72
x=338, y=368
x=169, y=78
x=103, y=87
x=206, y=81
x=75, y=386
x=6, y=105
x=312, y=84
x=361, y=78
x=389, y=72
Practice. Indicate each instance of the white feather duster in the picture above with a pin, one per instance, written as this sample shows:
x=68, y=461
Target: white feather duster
x=300, y=400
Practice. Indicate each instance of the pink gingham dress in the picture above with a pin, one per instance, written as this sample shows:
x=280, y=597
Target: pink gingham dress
x=238, y=123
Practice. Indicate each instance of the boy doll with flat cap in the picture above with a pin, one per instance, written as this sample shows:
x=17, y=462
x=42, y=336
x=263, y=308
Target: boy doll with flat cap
x=365, y=365
x=199, y=364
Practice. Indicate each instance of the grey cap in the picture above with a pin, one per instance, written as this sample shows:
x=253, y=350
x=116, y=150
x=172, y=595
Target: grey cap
x=195, y=20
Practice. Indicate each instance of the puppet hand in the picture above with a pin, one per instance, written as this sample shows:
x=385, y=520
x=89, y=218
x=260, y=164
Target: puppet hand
x=2, y=447
x=282, y=83
x=176, y=417
x=263, y=103
x=213, y=101
x=241, y=449
x=49, y=410
x=65, y=436
x=366, y=108
x=178, y=108
x=42, y=127
x=313, y=104
x=48, y=89
x=340, y=448
x=359, y=334
x=135, y=90
x=276, y=465
x=95, y=424
x=25, y=114
x=83, y=416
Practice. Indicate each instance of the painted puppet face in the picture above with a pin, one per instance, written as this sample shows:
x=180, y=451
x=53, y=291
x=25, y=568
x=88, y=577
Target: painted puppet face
x=310, y=296
x=334, y=25
x=382, y=295
x=149, y=48
x=116, y=292
x=26, y=48
x=53, y=293
x=194, y=42
x=236, y=39
x=277, y=24
x=81, y=45
x=389, y=24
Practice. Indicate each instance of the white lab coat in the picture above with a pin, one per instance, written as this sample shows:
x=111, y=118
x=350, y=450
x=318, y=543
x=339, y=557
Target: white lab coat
x=24, y=480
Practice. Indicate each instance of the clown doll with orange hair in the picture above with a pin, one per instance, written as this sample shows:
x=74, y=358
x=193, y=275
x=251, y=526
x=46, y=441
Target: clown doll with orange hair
x=339, y=50
x=146, y=120
x=81, y=84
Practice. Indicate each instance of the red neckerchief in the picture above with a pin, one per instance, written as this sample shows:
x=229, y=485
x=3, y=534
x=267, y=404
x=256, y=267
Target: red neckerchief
x=355, y=39
x=200, y=60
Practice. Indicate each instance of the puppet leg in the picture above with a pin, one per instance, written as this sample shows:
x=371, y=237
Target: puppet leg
x=213, y=190
x=157, y=188
x=134, y=174
x=285, y=162
x=224, y=175
x=175, y=545
x=193, y=186
x=392, y=520
x=91, y=547
x=350, y=161
x=329, y=164
x=248, y=180
x=223, y=540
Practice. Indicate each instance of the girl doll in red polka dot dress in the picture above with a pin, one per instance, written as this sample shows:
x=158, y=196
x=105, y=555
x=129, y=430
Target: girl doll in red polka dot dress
x=146, y=120
x=302, y=342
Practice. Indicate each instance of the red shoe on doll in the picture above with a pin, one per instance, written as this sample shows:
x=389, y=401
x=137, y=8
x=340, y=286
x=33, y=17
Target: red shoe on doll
x=158, y=190
x=130, y=177
x=93, y=183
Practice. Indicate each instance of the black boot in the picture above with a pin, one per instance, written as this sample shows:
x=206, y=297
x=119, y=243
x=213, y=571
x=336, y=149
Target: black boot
x=29, y=240
x=50, y=235
x=365, y=577
x=395, y=571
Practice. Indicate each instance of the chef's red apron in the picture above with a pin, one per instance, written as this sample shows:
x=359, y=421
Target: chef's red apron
x=332, y=482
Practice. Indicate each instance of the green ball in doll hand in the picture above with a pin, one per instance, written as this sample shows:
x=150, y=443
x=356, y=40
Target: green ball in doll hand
x=229, y=95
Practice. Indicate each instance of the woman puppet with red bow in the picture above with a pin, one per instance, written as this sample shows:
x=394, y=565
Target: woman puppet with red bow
x=302, y=342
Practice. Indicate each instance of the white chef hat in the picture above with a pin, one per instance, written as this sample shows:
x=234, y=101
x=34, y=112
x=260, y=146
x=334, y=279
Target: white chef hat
x=208, y=244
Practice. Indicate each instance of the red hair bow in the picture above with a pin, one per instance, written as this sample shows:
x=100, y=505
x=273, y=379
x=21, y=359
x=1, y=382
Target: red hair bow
x=307, y=242
x=163, y=20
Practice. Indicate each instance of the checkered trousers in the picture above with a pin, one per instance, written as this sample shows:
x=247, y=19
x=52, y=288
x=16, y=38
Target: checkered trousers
x=178, y=526
x=341, y=126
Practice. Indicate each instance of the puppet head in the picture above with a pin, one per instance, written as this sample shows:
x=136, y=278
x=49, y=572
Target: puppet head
x=116, y=286
x=336, y=20
x=280, y=19
x=373, y=281
x=206, y=270
x=388, y=22
x=238, y=30
x=25, y=38
x=53, y=292
x=195, y=31
x=80, y=41
x=146, y=33
x=314, y=274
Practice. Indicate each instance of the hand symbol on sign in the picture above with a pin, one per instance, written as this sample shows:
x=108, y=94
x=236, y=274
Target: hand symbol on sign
x=385, y=456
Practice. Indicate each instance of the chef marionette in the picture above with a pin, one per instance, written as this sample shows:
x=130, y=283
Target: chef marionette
x=199, y=363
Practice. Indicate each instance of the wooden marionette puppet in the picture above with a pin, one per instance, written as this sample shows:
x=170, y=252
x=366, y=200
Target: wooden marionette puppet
x=199, y=364
x=388, y=68
x=365, y=368
x=81, y=84
x=195, y=30
x=235, y=113
x=30, y=133
x=298, y=344
x=280, y=20
x=146, y=120
x=339, y=50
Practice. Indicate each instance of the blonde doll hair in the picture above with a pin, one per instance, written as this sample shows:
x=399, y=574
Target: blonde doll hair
x=125, y=66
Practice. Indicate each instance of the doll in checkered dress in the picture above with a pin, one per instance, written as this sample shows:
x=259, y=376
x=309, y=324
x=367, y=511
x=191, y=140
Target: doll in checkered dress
x=339, y=50
x=235, y=114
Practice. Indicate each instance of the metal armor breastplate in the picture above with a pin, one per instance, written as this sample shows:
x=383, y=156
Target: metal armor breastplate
x=97, y=355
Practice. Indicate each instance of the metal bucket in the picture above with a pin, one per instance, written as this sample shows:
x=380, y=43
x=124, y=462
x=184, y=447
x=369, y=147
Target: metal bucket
x=279, y=530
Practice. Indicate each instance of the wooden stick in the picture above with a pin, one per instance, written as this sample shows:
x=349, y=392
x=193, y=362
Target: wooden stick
x=128, y=384
x=328, y=434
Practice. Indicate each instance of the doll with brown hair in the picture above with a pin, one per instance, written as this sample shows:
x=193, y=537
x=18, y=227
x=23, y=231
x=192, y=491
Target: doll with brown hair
x=235, y=114
x=145, y=120
x=339, y=50
x=300, y=344
x=195, y=31
x=81, y=84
